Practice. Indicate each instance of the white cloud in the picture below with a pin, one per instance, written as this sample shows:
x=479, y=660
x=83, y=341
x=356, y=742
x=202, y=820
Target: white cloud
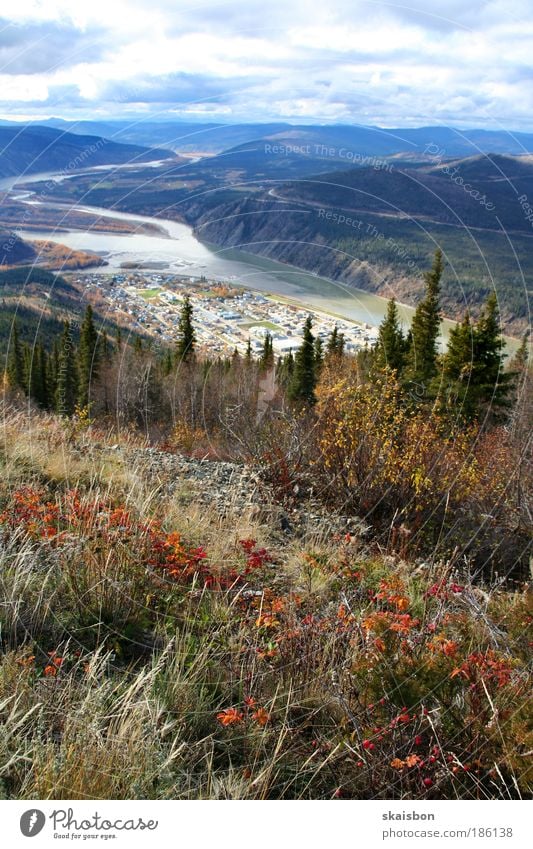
x=383, y=62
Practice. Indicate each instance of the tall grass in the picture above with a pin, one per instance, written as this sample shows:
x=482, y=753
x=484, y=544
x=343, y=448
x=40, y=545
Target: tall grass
x=268, y=669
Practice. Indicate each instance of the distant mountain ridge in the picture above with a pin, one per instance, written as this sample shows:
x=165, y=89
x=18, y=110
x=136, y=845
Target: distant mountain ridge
x=32, y=149
x=211, y=137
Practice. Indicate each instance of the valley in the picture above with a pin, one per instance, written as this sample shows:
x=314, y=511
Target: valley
x=372, y=227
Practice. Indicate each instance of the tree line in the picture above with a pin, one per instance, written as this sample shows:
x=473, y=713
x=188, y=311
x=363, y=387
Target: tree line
x=468, y=380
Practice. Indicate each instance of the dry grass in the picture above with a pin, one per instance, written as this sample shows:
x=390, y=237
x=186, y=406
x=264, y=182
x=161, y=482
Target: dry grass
x=349, y=675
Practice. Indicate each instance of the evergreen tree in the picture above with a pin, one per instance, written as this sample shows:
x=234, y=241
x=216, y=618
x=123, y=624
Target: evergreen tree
x=456, y=390
x=422, y=354
x=473, y=382
x=492, y=384
x=30, y=371
x=335, y=343
x=319, y=354
x=88, y=357
x=521, y=358
x=266, y=360
x=105, y=348
x=67, y=374
x=390, y=348
x=53, y=371
x=15, y=362
x=285, y=369
x=303, y=383
x=186, y=337
x=167, y=363
x=41, y=385
x=248, y=354
x=290, y=363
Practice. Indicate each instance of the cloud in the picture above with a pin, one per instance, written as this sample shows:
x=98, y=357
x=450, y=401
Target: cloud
x=364, y=61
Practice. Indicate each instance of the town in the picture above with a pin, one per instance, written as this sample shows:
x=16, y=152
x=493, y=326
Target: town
x=227, y=317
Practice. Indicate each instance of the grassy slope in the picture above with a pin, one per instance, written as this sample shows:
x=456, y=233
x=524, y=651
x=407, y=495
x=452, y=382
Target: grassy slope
x=133, y=667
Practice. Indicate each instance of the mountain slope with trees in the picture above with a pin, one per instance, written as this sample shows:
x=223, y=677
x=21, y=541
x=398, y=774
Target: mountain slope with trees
x=30, y=149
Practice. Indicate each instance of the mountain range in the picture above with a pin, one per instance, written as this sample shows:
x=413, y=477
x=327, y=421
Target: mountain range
x=30, y=149
x=213, y=137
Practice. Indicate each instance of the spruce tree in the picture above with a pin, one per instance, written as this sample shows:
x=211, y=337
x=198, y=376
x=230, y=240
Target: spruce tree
x=248, y=354
x=425, y=327
x=289, y=362
x=88, y=357
x=285, y=369
x=492, y=384
x=105, y=348
x=15, y=362
x=53, y=371
x=473, y=382
x=266, y=360
x=319, y=354
x=67, y=374
x=42, y=376
x=521, y=358
x=455, y=389
x=302, y=386
x=29, y=370
x=167, y=363
x=335, y=343
x=186, y=337
x=390, y=348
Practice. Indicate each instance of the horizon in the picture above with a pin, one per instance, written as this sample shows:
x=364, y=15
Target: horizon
x=149, y=119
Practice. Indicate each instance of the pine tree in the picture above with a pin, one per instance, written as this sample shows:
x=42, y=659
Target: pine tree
x=186, y=337
x=67, y=374
x=303, y=383
x=425, y=327
x=88, y=357
x=390, y=348
x=15, y=362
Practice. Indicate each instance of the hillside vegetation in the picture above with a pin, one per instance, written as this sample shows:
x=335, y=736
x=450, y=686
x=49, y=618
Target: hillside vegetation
x=323, y=593
x=153, y=647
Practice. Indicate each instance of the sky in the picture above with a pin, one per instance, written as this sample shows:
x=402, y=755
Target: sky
x=392, y=64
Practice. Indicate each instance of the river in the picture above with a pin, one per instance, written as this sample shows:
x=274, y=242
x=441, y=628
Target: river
x=176, y=249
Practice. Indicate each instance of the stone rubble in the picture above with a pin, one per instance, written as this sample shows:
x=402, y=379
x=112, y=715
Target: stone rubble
x=237, y=489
